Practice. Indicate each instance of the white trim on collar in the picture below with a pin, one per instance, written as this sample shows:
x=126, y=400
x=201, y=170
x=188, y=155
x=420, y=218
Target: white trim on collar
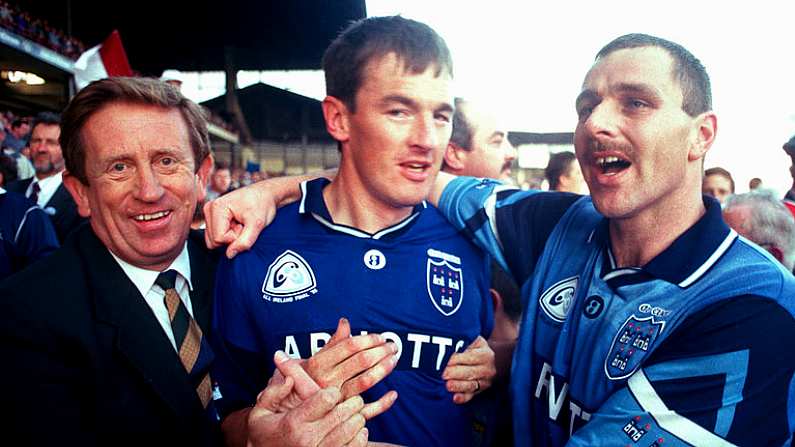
x=361, y=234
x=699, y=272
x=302, y=206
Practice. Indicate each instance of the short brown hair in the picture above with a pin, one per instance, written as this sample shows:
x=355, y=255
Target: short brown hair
x=147, y=91
x=416, y=44
x=688, y=70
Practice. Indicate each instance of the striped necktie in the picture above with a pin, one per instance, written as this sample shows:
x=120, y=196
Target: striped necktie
x=193, y=349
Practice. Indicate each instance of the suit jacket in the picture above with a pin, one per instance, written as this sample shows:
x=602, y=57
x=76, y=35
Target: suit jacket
x=85, y=360
x=65, y=218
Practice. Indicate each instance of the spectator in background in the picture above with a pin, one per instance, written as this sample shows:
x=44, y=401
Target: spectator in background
x=17, y=136
x=237, y=175
x=718, y=183
x=789, y=197
x=26, y=233
x=258, y=176
x=46, y=187
x=24, y=168
x=220, y=181
x=762, y=218
x=8, y=170
x=478, y=147
x=754, y=183
x=563, y=173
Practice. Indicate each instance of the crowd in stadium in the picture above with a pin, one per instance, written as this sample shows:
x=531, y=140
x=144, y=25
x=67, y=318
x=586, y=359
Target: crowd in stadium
x=38, y=30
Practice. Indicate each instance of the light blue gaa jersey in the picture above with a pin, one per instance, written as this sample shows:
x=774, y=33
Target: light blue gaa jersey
x=694, y=348
x=419, y=283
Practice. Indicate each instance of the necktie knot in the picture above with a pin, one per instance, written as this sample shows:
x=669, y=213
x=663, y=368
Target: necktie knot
x=167, y=280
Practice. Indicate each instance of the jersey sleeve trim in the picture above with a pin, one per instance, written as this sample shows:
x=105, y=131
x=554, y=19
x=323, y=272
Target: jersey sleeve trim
x=22, y=223
x=678, y=425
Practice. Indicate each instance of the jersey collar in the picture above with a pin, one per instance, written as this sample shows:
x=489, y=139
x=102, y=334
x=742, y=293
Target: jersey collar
x=312, y=204
x=689, y=257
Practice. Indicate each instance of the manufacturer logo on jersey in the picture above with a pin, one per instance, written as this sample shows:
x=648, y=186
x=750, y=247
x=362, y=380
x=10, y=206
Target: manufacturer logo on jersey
x=630, y=345
x=556, y=301
x=445, y=281
x=656, y=311
x=374, y=259
x=289, y=278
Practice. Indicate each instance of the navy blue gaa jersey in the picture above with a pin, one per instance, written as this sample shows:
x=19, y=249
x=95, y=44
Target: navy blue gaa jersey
x=419, y=283
x=693, y=348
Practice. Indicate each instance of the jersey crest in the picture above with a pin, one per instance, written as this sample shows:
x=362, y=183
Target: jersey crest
x=288, y=276
x=445, y=282
x=556, y=301
x=630, y=346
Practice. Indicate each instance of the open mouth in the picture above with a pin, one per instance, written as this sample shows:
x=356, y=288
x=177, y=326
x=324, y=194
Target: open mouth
x=416, y=167
x=153, y=216
x=612, y=165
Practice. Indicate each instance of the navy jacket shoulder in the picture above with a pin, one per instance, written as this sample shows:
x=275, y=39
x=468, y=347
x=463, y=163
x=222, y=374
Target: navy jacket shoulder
x=87, y=347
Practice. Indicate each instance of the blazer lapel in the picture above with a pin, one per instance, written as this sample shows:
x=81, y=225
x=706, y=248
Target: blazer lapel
x=59, y=198
x=140, y=338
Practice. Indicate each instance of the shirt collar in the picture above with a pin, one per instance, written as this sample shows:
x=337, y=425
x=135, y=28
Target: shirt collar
x=687, y=259
x=50, y=182
x=2, y=191
x=312, y=204
x=47, y=186
x=144, y=279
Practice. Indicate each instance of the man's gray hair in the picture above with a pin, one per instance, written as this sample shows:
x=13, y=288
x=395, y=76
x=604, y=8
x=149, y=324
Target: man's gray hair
x=770, y=222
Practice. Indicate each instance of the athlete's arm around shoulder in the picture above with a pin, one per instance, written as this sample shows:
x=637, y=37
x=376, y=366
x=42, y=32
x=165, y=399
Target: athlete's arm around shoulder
x=442, y=180
x=237, y=218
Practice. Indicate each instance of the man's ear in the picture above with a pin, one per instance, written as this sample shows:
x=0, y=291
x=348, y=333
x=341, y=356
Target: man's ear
x=455, y=157
x=337, y=115
x=705, y=132
x=496, y=300
x=79, y=193
x=203, y=177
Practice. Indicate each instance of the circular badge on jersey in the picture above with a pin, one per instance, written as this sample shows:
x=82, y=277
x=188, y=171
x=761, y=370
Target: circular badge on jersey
x=593, y=306
x=374, y=259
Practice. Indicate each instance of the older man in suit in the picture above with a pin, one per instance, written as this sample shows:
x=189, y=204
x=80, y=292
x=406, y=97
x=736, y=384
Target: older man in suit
x=46, y=188
x=109, y=349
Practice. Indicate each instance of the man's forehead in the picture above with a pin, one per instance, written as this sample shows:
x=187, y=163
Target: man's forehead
x=135, y=128
x=396, y=65
x=639, y=66
x=47, y=128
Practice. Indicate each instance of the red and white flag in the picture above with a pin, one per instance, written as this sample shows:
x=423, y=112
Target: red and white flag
x=102, y=61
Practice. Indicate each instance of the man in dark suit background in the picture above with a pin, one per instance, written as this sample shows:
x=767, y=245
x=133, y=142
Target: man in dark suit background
x=46, y=187
x=94, y=354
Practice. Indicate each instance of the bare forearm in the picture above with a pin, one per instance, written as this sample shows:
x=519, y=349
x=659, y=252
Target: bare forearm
x=286, y=189
x=442, y=180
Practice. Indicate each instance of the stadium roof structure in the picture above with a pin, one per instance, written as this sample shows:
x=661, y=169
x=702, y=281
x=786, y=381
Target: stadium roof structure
x=274, y=114
x=193, y=36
